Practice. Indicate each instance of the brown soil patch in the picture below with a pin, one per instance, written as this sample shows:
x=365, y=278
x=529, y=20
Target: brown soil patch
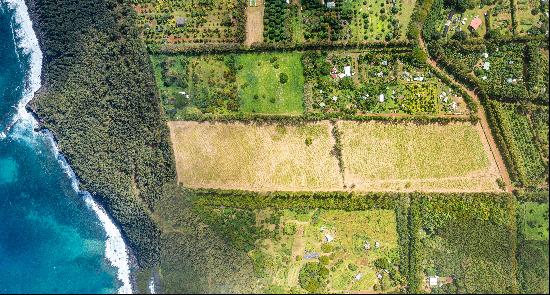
x=255, y=23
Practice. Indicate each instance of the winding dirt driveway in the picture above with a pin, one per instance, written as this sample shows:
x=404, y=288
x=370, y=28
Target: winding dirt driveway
x=482, y=119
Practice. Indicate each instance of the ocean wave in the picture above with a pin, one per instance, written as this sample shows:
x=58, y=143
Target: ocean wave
x=24, y=123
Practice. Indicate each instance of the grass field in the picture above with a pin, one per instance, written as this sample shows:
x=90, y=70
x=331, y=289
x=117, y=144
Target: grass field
x=261, y=90
x=376, y=157
x=254, y=157
x=533, y=247
x=535, y=218
x=410, y=157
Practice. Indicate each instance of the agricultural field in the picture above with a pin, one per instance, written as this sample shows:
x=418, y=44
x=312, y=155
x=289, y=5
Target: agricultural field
x=271, y=83
x=336, y=21
x=522, y=129
x=326, y=251
x=503, y=70
x=532, y=17
x=467, y=244
x=179, y=22
x=374, y=82
x=533, y=247
x=255, y=157
x=217, y=84
x=408, y=157
x=370, y=156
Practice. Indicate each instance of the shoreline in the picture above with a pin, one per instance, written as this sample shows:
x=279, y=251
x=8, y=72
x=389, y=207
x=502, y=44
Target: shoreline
x=117, y=252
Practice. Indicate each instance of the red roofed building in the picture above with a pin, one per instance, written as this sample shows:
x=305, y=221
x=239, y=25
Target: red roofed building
x=475, y=23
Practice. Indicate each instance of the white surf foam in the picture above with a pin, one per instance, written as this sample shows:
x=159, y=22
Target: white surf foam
x=115, y=248
x=152, y=286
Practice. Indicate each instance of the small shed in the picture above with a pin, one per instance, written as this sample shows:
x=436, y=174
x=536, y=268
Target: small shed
x=433, y=281
x=347, y=71
x=475, y=23
x=180, y=22
x=311, y=255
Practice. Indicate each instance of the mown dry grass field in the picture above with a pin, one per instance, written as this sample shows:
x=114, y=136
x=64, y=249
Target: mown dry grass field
x=409, y=157
x=376, y=157
x=255, y=157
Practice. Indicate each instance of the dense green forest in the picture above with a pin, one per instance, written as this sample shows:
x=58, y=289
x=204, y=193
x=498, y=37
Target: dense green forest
x=100, y=101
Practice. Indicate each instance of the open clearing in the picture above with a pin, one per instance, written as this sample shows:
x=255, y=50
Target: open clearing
x=253, y=157
x=376, y=157
x=409, y=157
x=303, y=240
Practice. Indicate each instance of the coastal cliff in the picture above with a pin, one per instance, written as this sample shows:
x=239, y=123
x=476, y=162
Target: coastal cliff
x=100, y=101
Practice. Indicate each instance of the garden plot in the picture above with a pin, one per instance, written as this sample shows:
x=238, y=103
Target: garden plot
x=191, y=22
x=347, y=20
x=407, y=157
x=367, y=83
x=467, y=244
x=499, y=68
x=255, y=157
x=532, y=16
x=202, y=84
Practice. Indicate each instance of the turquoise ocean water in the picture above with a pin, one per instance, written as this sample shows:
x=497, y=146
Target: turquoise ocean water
x=53, y=238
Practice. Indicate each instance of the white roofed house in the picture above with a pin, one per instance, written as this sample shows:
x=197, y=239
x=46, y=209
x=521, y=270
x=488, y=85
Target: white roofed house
x=331, y=4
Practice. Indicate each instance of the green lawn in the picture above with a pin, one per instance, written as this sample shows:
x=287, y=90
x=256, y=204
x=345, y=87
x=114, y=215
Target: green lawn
x=260, y=89
x=533, y=247
x=535, y=217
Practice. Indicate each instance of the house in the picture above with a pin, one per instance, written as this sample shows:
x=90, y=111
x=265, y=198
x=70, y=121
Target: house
x=328, y=237
x=347, y=71
x=475, y=23
x=486, y=65
x=180, y=22
x=433, y=281
x=331, y=4
x=358, y=276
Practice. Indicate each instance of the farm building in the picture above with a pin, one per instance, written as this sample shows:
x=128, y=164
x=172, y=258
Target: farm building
x=475, y=23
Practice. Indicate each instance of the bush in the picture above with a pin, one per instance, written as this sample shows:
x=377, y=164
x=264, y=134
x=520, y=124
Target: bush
x=313, y=277
x=283, y=78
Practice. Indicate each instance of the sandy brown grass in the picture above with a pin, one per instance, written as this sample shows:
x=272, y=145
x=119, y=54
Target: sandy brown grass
x=409, y=157
x=253, y=157
x=255, y=23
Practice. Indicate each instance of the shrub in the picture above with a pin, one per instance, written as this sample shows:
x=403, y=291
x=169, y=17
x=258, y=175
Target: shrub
x=283, y=78
x=313, y=277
